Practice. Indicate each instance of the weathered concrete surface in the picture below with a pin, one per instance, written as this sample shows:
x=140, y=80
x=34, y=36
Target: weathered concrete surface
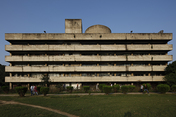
x=83, y=68
x=73, y=26
x=89, y=79
x=98, y=29
x=90, y=58
x=88, y=36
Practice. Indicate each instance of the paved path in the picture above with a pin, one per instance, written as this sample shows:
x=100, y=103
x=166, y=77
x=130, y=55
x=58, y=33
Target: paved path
x=41, y=107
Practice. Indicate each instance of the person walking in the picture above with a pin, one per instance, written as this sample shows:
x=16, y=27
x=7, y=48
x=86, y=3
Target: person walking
x=142, y=88
x=145, y=88
x=32, y=89
x=35, y=90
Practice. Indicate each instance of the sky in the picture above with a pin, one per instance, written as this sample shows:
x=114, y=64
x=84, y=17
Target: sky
x=121, y=16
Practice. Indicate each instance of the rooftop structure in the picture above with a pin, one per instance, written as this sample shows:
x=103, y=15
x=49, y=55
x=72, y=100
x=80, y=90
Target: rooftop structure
x=96, y=56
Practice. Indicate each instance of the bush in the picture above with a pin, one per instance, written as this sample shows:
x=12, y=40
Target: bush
x=148, y=86
x=101, y=87
x=21, y=90
x=69, y=89
x=38, y=89
x=124, y=89
x=5, y=89
x=86, y=88
x=163, y=88
x=116, y=88
x=173, y=88
x=131, y=87
x=107, y=89
x=44, y=90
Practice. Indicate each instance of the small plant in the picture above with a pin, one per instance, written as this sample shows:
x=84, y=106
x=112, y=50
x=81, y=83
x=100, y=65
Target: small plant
x=69, y=89
x=89, y=92
x=173, y=88
x=44, y=90
x=116, y=88
x=5, y=89
x=131, y=87
x=163, y=88
x=101, y=87
x=107, y=89
x=86, y=88
x=38, y=89
x=21, y=90
x=124, y=89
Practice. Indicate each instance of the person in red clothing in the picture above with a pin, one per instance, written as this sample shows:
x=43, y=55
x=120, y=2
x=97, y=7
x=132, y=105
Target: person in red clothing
x=35, y=90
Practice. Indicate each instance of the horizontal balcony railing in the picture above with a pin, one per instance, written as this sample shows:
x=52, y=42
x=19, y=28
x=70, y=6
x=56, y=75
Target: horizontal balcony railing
x=88, y=58
x=84, y=68
x=89, y=79
x=139, y=47
x=86, y=36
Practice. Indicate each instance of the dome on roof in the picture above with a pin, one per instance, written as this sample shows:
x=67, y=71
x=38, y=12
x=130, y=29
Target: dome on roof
x=98, y=29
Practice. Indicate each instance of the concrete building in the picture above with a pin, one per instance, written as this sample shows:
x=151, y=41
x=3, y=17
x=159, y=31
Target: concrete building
x=96, y=56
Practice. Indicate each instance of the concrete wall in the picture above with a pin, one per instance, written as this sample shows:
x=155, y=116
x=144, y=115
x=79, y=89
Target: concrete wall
x=73, y=26
x=83, y=68
x=88, y=36
x=89, y=79
x=90, y=58
x=144, y=47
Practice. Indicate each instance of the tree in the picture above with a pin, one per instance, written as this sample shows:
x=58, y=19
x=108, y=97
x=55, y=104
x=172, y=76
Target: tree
x=2, y=75
x=45, y=79
x=170, y=72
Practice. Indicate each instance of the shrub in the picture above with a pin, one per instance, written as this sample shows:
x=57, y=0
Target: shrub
x=148, y=86
x=107, y=89
x=38, y=89
x=5, y=89
x=21, y=90
x=86, y=88
x=116, y=88
x=124, y=89
x=69, y=89
x=131, y=87
x=44, y=90
x=173, y=88
x=163, y=88
x=101, y=87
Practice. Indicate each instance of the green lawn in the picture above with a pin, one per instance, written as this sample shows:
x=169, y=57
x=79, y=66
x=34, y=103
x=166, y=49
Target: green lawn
x=154, y=105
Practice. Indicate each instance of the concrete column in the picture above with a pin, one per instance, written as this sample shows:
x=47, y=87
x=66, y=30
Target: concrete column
x=28, y=75
x=131, y=64
x=114, y=54
x=97, y=64
x=132, y=74
x=28, y=54
x=149, y=54
x=10, y=64
x=149, y=64
x=97, y=54
x=131, y=53
x=10, y=54
x=131, y=83
x=10, y=74
x=45, y=64
x=114, y=83
x=10, y=85
x=28, y=65
x=28, y=85
x=114, y=64
x=97, y=74
x=115, y=74
x=149, y=74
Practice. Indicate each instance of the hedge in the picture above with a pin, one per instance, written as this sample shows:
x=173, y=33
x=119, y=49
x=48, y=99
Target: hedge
x=38, y=89
x=131, y=87
x=173, y=88
x=86, y=88
x=107, y=89
x=5, y=89
x=101, y=87
x=124, y=89
x=116, y=88
x=21, y=90
x=148, y=86
x=44, y=90
x=163, y=88
x=69, y=89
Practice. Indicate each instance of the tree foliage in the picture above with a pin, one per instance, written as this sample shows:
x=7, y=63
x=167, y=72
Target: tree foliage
x=45, y=79
x=2, y=75
x=170, y=72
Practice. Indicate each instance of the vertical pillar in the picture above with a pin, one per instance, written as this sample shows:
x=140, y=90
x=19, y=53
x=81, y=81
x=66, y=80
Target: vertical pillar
x=28, y=86
x=97, y=64
x=10, y=85
x=132, y=74
x=114, y=83
x=131, y=83
x=10, y=74
x=10, y=64
x=148, y=74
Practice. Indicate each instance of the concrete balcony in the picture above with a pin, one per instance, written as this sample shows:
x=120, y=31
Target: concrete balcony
x=88, y=36
x=89, y=79
x=139, y=47
x=89, y=58
x=83, y=68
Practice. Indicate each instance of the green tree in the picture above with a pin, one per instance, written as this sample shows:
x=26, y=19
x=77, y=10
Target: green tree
x=2, y=75
x=170, y=72
x=45, y=79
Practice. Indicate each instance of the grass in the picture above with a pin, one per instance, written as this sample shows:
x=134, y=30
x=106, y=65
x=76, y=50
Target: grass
x=107, y=105
x=25, y=111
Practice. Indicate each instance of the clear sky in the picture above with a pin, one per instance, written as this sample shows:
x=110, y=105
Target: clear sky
x=121, y=16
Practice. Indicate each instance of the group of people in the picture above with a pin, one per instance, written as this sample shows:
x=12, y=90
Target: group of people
x=33, y=90
x=144, y=88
